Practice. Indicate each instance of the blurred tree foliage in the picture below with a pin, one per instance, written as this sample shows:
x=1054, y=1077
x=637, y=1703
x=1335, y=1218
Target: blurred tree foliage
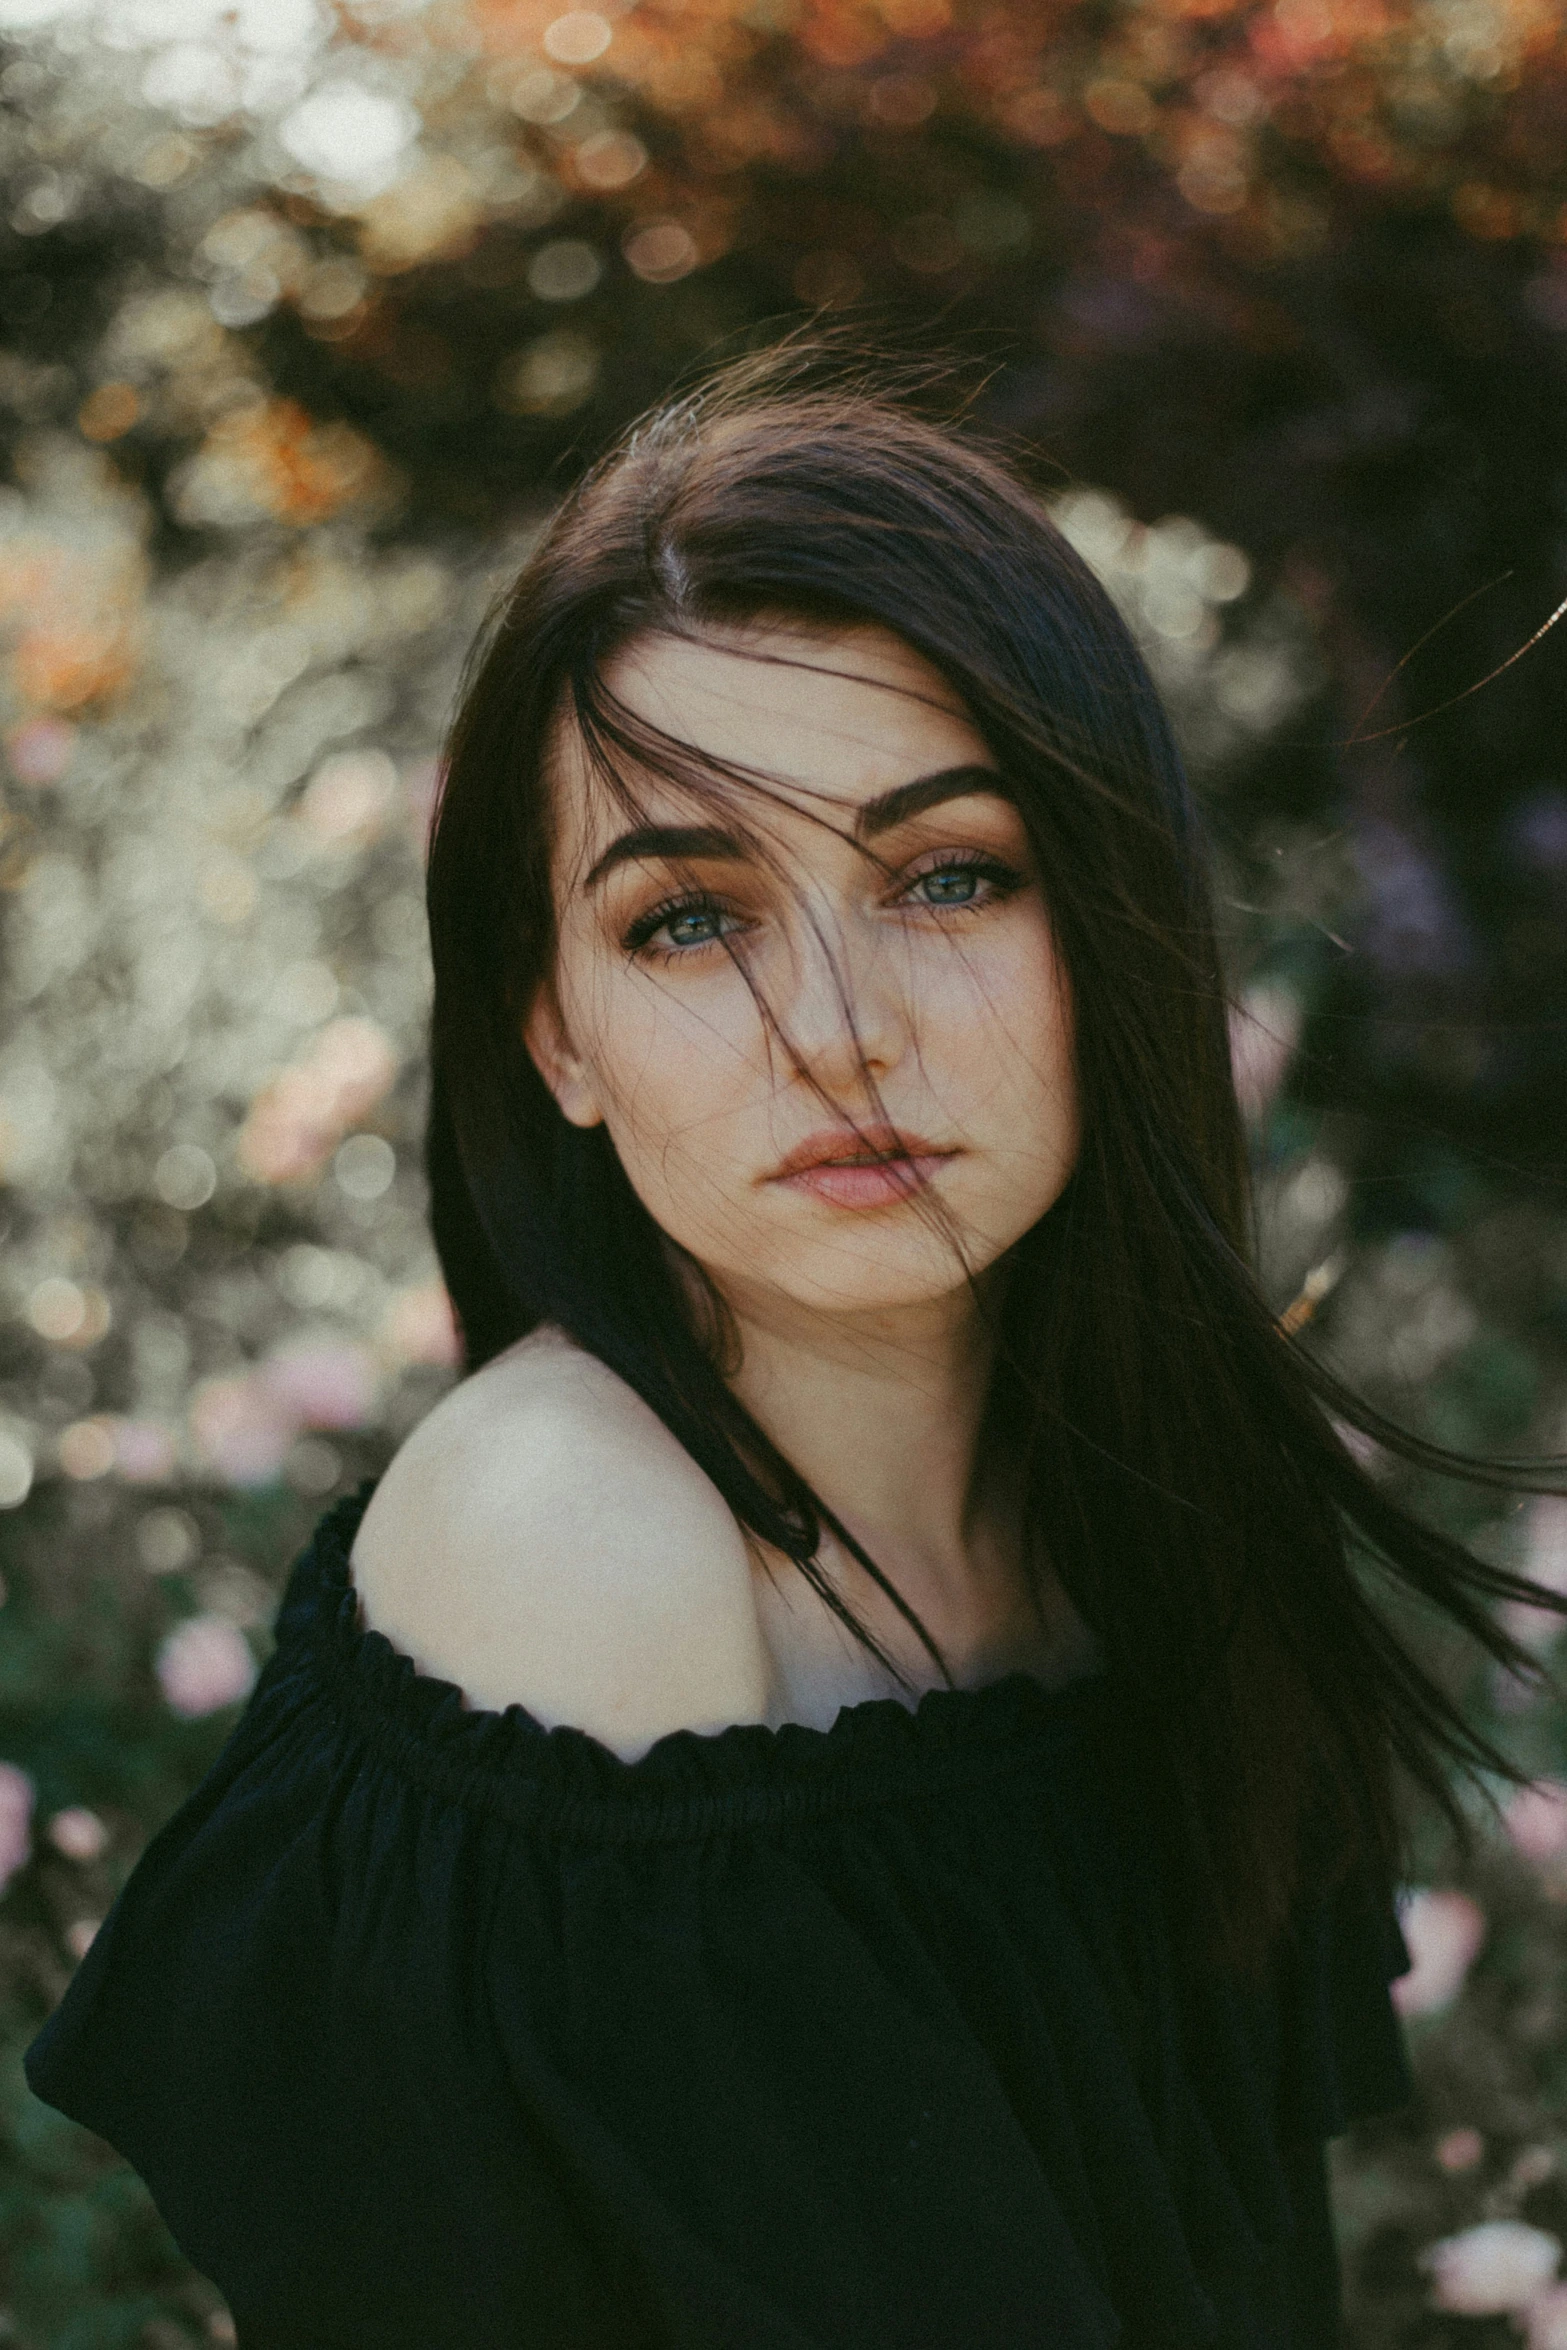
x=306, y=320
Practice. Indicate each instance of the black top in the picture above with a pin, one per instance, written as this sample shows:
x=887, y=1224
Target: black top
x=432, y=2029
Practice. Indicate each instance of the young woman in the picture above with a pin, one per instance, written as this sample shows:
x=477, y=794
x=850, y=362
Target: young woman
x=839, y=1793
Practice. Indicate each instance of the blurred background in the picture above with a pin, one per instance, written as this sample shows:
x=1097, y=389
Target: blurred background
x=309, y=315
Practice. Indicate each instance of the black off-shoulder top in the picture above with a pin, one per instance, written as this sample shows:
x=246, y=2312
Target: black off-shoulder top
x=430, y=2028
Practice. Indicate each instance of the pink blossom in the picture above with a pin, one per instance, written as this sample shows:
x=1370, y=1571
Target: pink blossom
x=421, y=790
x=1363, y=1449
x=80, y=1935
x=203, y=1664
x=1459, y=2149
x=347, y=797
x=1487, y=2270
x=144, y=1452
x=1545, y=2320
x=419, y=1326
x=300, y=1115
x=1444, y=1930
x=1265, y=1028
x=1545, y=1561
x=241, y=1429
x=320, y=1386
x=1535, y=1818
x=17, y=1794
x=40, y=749
x=78, y=1833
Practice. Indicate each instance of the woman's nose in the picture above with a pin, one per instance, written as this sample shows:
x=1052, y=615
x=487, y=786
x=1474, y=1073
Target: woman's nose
x=845, y=1011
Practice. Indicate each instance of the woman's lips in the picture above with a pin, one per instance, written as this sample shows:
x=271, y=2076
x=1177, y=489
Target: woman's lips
x=870, y=1170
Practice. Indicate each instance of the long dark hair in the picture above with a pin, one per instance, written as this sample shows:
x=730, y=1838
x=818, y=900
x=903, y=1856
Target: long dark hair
x=1183, y=1472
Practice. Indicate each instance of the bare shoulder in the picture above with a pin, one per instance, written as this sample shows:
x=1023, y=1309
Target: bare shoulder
x=542, y=1539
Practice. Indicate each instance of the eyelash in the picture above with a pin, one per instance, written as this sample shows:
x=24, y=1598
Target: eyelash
x=1004, y=880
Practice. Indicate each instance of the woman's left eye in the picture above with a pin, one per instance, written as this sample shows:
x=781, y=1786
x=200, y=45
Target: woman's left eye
x=965, y=881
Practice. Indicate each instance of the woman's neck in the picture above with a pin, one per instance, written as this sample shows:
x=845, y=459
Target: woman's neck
x=881, y=1415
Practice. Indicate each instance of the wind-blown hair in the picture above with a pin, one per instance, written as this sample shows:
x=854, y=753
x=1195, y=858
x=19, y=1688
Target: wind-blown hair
x=1182, y=1470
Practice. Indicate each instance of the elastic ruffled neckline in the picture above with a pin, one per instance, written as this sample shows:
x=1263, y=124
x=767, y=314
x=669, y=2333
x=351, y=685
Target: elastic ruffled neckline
x=688, y=1782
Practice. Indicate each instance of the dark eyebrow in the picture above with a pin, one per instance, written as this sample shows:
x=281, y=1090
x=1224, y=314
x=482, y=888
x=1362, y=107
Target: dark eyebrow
x=898, y=806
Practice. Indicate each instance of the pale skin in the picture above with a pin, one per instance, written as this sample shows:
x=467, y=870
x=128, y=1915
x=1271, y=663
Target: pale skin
x=587, y=1569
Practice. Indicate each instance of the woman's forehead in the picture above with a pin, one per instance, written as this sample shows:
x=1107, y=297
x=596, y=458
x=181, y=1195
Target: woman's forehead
x=827, y=720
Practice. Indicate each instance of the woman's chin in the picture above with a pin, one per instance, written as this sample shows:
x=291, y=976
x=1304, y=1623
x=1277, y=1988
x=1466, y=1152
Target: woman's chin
x=846, y=1283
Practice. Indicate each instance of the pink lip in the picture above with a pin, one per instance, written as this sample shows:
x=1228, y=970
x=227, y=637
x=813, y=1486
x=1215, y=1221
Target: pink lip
x=824, y=1165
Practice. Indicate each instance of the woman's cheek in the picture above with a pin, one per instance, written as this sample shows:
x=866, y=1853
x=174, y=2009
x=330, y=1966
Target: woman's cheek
x=672, y=1071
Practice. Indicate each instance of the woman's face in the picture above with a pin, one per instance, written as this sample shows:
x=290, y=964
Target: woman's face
x=919, y=1008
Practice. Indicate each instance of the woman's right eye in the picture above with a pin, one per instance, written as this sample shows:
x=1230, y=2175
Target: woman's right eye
x=687, y=924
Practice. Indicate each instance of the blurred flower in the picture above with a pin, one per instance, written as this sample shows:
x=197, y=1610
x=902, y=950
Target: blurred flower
x=185, y=1177
x=311, y=1466
x=16, y=1469
x=577, y=38
x=1499, y=2266
x=661, y=251
x=1119, y=106
x=39, y=750
x=348, y=796
x=1265, y=1029
x=419, y=1327
x=74, y=614
x=1444, y=1930
x=108, y=412
x=609, y=159
x=548, y=377
x=421, y=788
x=1545, y=1561
x=1215, y=167
x=80, y=1935
x=1414, y=924
x=564, y=270
x=1460, y=2149
x=366, y=1166
x=78, y=1833
x=333, y=289
x=432, y=213
x=87, y=1447
x=165, y=1540
x=538, y=95
x=204, y=1664
x=226, y=1588
x=1537, y=828
x=240, y=1428
x=314, y=1385
x=307, y=991
x=1363, y=1448
x=300, y=1115
x=1535, y=1818
x=270, y=459
x=67, y=1314
x=1545, y=2320
x=17, y=1795
x=145, y=1452
x=226, y=887
x=350, y=136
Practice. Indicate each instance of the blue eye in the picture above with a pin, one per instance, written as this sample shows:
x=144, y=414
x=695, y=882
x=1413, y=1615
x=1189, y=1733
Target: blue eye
x=949, y=885
x=688, y=924
x=693, y=928
x=960, y=882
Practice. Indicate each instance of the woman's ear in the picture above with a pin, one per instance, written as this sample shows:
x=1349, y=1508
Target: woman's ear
x=552, y=1054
